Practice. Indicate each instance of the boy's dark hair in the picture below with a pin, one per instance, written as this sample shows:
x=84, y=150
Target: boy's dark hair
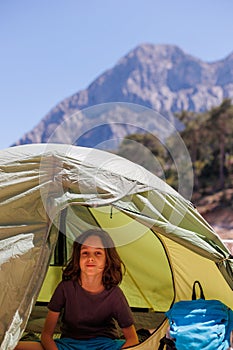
x=112, y=274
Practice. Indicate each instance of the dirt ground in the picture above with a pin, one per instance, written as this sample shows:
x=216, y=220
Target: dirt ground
x=219, y=216
x=222, y=223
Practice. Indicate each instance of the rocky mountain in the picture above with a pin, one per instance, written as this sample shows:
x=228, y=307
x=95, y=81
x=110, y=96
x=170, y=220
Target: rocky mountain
x=160, y=77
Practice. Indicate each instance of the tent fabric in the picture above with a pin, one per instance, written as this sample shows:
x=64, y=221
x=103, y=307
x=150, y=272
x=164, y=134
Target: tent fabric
x=162, y=239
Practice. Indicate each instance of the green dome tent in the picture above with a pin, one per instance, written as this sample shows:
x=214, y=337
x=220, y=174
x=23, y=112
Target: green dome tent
x=163, y=241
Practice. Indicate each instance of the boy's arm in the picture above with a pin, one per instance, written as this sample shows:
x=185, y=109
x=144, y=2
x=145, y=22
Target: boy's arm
x=48, y=331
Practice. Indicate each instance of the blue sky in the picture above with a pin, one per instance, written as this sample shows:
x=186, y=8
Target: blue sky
x=50, y=49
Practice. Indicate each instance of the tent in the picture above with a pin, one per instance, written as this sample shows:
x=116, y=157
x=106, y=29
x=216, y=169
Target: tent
x=162, y=239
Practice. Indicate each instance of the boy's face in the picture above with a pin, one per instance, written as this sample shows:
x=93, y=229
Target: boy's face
x=92, y=256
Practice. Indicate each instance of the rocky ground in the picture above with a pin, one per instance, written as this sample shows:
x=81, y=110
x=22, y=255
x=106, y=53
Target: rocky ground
x=217, y=209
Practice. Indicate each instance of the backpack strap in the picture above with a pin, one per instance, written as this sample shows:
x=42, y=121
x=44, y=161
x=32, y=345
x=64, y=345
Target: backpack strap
x=170, y=344
x=194, y=296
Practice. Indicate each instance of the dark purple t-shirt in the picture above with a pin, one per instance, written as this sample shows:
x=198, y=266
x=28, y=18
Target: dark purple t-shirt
x=86, y=315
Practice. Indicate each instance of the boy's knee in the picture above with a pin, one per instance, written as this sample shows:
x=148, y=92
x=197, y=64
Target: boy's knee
x=20, y=346
x=29, y=345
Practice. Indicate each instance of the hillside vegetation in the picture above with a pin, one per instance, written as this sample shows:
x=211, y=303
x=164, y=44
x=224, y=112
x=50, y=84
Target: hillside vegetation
x=208, y=137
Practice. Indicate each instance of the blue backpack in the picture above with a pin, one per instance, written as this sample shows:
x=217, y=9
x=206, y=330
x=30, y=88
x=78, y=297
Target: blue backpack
x=199, y=324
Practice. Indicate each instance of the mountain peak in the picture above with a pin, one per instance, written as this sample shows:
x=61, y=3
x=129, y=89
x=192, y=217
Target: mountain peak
x=161, y=77
x=150, y=54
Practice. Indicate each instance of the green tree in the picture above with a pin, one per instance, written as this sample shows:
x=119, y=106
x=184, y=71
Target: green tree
x=220, y=127
x=146, y=150
x=193, y=135
x=208, y=137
